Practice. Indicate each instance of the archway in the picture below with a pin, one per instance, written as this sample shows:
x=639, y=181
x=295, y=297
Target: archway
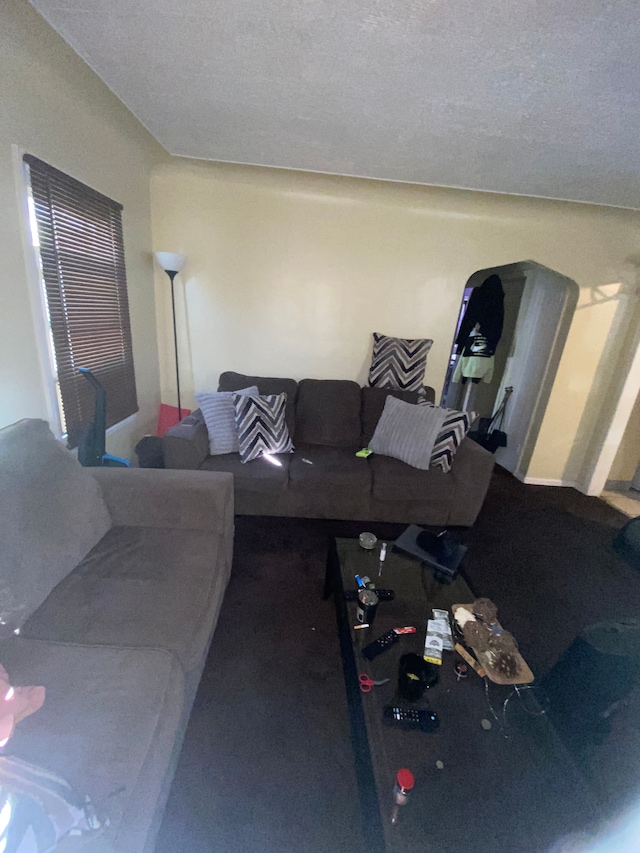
x=539, y=307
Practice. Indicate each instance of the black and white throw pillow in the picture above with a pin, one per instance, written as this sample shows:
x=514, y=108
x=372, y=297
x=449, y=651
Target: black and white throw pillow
x=261, y=423
x=455, y=427
x=398, y=363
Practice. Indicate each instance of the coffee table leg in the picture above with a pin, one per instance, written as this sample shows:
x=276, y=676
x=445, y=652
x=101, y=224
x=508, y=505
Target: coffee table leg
x=372, y=828
x=330, y=570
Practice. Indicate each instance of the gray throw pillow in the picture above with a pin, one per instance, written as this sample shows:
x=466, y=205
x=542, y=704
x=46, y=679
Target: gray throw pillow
x=407, y=432
x=220, y=417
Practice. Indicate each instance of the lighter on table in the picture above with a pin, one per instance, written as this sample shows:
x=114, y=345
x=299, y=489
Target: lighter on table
x=383, y=555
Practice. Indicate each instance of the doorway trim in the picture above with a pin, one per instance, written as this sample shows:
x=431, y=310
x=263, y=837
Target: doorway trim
x=623, y=402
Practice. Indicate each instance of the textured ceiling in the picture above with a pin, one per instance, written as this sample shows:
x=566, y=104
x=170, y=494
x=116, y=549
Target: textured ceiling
x=534, y=97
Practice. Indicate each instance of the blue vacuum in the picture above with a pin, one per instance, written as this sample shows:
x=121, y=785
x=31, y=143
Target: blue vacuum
x=92, y=445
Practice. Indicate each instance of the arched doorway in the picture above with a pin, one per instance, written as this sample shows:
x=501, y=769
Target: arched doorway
x=538, y=309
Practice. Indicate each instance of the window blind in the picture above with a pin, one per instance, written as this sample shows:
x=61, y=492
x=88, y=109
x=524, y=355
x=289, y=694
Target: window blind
x=82, y=255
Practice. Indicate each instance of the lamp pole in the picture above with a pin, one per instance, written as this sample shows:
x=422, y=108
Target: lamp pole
x=172, y=263
x=172, y=274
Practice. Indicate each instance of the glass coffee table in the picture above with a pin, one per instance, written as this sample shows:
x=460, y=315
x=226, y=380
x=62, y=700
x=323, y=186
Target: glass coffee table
x=493, y=776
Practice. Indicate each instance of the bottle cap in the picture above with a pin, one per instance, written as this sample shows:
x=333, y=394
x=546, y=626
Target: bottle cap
x=405, y=779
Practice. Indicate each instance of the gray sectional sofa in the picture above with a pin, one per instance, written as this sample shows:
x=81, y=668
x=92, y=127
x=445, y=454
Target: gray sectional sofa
x=115, y=579
x=329, y=421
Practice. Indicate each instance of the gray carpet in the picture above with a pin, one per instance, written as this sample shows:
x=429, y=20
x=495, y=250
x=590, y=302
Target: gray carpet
x=267, y=763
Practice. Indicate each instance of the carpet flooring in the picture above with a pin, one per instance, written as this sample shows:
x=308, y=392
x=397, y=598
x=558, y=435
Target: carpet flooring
x=267, y=764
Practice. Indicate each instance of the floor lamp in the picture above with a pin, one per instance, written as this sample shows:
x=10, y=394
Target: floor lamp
x=172, y=263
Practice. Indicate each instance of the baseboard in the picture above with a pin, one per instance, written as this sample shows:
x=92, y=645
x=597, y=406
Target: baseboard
x=542, y=481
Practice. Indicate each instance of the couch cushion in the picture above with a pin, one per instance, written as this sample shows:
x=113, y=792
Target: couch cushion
x=259, y=475
x=230, y=381
x=328, y=413
x=140, y=587
x=395, y=481
x=108, y=726
x=52, y=514
x=373, y=400
x=315, y=466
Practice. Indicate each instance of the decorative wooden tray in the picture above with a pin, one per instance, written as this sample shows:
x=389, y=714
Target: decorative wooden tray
x=525, y=676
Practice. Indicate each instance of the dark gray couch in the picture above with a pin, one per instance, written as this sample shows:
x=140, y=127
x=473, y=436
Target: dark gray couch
x=329, y=421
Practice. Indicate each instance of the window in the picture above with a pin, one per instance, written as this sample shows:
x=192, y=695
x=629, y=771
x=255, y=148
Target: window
x=79, y=238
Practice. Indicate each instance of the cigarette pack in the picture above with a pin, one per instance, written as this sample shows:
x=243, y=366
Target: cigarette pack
x=433, y=643
x=442, y=617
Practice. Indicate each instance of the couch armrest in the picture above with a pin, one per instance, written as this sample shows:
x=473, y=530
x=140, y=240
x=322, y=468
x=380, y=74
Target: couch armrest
x=186, y=445
x=152, y=497
x=471, y=469
x=429, y=394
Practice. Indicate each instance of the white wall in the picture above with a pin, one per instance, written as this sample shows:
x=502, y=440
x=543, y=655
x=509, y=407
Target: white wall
x=617, y=389
x=289, y=273
x=546, y=312
x=52, y=105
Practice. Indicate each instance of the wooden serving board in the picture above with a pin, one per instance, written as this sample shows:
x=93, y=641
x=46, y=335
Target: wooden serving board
x=525, y=676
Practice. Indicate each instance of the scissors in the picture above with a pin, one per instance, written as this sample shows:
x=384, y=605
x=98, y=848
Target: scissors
x=367, y=684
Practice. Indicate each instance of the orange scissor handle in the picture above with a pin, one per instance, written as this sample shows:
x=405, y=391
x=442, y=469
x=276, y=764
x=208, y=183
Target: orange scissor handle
x=366, y=683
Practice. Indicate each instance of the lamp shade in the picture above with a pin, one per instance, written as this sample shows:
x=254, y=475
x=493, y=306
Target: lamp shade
x=171, y=261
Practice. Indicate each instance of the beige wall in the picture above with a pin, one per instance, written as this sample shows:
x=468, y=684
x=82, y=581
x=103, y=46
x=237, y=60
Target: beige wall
x=289, y=273
x=628, y=455
x=52, y=105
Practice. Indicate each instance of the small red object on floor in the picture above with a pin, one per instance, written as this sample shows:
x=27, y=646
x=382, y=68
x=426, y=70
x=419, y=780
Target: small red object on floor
x=168, y=417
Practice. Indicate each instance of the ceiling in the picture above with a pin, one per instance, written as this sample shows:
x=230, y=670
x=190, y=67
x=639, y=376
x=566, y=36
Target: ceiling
x=532, y=97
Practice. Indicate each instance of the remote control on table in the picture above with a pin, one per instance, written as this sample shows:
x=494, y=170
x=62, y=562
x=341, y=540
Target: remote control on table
x=383, y=594
x=385, y=642
x=411, y=718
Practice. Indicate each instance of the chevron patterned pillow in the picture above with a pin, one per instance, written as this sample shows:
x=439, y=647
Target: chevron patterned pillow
x=262, y=427
x=398, y=362
x=455, y=427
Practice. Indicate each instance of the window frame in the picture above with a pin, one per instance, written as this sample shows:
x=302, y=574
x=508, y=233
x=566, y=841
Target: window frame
x=40, y=304
x=37, y=299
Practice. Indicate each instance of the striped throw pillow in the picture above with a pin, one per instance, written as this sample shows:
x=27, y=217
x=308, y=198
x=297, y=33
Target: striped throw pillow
x=220, y=417
x=398, y=363
x=261, y=423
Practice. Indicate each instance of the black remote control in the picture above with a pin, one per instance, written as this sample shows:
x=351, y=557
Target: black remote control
x=411, y=718
x=383, y=594
x=380, y=645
